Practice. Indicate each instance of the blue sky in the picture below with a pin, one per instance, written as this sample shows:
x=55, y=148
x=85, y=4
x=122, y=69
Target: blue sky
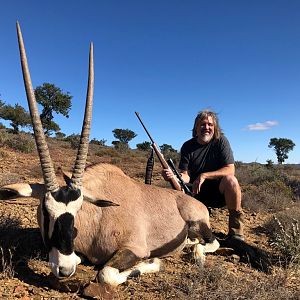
x=167, y=60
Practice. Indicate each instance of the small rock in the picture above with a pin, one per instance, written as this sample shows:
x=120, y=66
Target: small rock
x=234, y=258
x=99, y=291
x=20, y=289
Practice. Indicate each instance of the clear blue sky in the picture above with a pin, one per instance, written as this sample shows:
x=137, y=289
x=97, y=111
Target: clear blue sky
x=167, y=60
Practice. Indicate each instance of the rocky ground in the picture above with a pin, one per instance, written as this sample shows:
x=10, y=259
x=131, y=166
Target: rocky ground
x=25, y=274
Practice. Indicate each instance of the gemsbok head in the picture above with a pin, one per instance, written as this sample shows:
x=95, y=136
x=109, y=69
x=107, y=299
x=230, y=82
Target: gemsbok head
x=60, y=204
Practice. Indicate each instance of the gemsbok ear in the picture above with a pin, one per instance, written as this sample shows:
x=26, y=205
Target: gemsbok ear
x=15, y=190
x=6, y=194
x=66, y=176
x=100, y=203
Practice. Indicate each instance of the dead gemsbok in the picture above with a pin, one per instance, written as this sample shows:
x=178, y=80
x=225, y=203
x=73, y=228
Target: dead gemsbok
x=105, y=215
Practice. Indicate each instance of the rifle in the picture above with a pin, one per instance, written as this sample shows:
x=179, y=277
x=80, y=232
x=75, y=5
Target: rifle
x=184, y=187
x=175, y=184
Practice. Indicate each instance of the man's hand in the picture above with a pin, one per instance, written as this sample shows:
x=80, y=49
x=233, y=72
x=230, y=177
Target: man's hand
x=167, y=174
x=197, y=184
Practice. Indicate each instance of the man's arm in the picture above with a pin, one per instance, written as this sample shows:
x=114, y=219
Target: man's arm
x=226, y=170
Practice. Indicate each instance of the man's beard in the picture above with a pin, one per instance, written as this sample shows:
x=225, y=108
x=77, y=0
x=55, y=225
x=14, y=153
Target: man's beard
x=206, y=137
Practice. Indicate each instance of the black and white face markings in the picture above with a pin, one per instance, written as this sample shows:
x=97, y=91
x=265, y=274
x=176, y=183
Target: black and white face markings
x=58, y=211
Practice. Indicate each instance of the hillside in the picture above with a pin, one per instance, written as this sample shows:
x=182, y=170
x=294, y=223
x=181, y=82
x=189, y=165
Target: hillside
x=267, y=192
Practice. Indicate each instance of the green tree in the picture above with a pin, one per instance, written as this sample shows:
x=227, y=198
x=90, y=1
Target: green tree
x=120, y=146
x=74, y=140
x=169, y=152
x=53, y=99
x=165, y=148
x=282, y=147
x=98, y=142
x=145, y=146
x=18, y=116
x=124, y=136
x=60, y=135
x=51, y=127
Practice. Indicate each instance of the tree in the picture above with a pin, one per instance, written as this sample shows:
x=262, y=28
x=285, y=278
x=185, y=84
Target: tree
x=165, y=148
x=60, y=135
x=53, y=99
x=145, y=146
x=18, y=116
x=122, y=147
x=282, y=147
x=74, y=140
x=124, y=136
x=50, y=127
x=98, y=142
x=169, y=152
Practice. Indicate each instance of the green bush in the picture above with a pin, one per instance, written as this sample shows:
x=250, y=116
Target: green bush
x=22, y=142
x=107, y=152
x=73, y=139
x=98, y=142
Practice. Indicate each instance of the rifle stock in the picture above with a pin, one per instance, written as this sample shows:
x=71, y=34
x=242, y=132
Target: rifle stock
x=175, y=184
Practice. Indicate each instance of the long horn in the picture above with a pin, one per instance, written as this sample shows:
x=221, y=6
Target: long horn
x=86, y=126
x=42, y=148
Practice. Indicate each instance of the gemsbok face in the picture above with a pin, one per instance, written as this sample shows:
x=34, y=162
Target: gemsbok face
x=59, y=205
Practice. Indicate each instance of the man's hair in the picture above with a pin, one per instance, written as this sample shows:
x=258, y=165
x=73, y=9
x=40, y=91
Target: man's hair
x=204, y=115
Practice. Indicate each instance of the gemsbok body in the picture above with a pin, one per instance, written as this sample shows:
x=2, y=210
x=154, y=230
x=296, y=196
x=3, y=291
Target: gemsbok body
x=100, y=212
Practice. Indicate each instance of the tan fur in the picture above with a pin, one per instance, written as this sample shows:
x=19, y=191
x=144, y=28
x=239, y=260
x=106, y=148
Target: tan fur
x=148, y=218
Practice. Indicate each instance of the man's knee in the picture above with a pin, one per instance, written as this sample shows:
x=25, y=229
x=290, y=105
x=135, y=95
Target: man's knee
x=229, y=183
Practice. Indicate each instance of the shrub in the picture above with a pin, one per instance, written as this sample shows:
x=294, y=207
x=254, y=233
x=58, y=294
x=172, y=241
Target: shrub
x=7, y=266
x=270, y=163
x=120, y=146
x=74, y=140
x=22, y=142
x=108, y=152
x=60, y=135
x=269, y=196
x=285, y=236
x=98, y=142
x=256, y=174
x=145, y=146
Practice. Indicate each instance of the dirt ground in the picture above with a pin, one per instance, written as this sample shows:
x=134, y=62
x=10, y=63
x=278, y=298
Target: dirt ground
x=27, y=275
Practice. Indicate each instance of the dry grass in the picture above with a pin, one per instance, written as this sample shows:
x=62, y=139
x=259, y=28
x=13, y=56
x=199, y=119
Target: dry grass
x=22, y=142
x=7, y=266
x=273, y=191
x=266, y=189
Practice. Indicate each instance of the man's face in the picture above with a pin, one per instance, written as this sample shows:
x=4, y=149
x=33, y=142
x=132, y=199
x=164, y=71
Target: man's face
x=205, y=130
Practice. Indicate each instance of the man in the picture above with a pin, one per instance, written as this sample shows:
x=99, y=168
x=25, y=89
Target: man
x=207, y=164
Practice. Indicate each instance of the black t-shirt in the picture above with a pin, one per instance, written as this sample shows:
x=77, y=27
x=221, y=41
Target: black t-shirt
x=197, y=158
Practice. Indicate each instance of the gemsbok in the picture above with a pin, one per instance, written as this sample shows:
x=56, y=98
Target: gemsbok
x=118, y=223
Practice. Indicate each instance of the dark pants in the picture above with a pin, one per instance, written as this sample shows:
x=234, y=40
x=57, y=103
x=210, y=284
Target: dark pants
x=210, y=195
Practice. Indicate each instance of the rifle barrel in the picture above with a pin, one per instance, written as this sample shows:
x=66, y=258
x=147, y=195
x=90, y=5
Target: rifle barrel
x=138, y=116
